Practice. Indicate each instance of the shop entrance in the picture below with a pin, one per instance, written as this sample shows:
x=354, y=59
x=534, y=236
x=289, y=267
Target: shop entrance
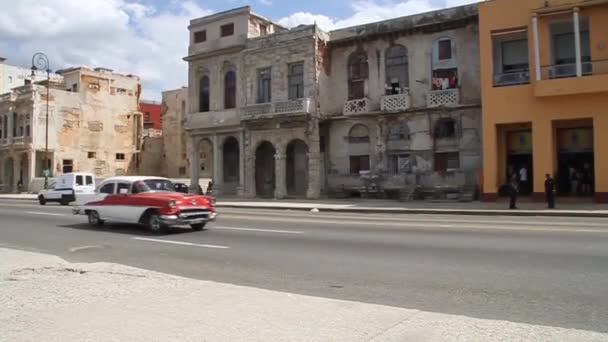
x=519, y=160
x=575, y=161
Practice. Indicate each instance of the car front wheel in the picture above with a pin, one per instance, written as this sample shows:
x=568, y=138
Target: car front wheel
x=94, y=219
x=198, y=226
x=156, y=225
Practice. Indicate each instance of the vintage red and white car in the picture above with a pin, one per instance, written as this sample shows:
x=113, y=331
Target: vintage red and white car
x=149, y=201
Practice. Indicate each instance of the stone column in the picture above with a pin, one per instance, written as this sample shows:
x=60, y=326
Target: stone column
x=16, y=173
x=536, y=47
x=314, y=175
x=280, y=167
x=240, y=191
x=31, y=171
x=2, y=180
x=195, y=164
x=577, y=43
x=217, y=166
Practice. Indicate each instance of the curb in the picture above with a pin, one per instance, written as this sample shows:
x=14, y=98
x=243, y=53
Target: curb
x=422, y=211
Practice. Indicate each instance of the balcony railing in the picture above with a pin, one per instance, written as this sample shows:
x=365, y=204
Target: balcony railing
x=354, y=107
x=261, y=110
x=395, y=103
x=213, y=119
x=565, y=70
x=512, y=78
x=21, y=140
x=443, y=98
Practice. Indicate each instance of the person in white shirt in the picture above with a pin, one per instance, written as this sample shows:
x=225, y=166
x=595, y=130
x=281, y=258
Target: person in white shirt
x=523, y=180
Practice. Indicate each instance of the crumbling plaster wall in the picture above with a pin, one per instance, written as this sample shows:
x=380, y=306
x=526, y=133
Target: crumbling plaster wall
x=175, y=142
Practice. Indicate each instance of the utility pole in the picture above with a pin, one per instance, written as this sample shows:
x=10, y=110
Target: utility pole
x=41, y=62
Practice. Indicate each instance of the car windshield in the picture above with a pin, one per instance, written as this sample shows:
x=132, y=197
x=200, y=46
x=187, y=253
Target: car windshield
x=153, y=185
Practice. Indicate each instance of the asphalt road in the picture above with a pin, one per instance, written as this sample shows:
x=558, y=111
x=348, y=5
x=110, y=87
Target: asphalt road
x=546, y=271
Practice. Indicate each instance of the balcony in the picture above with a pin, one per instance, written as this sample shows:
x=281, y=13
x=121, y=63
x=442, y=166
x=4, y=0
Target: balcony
x=214, y=119
x=272, y=109
x=559, y=80
x=395, y=103
x=21, y=140
x=354, y=107
x=512, y=78
x=443, y=98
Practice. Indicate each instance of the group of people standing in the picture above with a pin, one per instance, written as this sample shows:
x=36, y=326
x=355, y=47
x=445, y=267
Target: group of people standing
x=580, y=180
x=519, y=183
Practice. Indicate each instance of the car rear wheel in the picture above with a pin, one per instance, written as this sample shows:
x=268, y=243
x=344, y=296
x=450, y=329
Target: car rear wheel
x=94, y=219
x=41, y=200
x=64, y=201
x=156, y=225
x=198, y=226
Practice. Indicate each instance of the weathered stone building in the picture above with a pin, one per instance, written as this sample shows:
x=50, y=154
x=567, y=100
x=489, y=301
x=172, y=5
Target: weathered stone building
x=377, y=108
x=94, y=126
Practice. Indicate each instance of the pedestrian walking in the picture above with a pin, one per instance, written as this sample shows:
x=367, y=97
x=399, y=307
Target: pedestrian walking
x=513, y=190
x=523, y=179
x=550, y=191
x=573, y=181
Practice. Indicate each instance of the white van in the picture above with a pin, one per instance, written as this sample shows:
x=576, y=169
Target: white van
x=66, y=188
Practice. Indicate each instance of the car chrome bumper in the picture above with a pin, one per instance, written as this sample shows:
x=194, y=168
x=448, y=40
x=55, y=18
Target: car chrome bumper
x=177, y=220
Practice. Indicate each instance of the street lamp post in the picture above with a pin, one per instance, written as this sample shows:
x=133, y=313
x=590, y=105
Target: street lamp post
x=41, y=62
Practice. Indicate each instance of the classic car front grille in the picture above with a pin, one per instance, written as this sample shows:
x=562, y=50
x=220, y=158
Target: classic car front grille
x=192, y=214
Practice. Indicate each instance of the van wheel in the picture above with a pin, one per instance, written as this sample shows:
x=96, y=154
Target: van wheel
x=64, y=201
x=41, y=200
x=94, y=219
x=155, y=224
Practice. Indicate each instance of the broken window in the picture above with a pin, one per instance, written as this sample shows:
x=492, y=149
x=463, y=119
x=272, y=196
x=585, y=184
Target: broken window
x=357, y=74
x=67, y=165
x=295, y=80
x=204, y=94
x=91, y=155
x=94, y=86
x=263, y=30
x=230, y=90
x=445, y=128
x=358, y=164
x=200, y=36
x=447, y=161
x=120, y=156
x=399, y=164
x=227, y=30
x=397, y=73
x=398, y=132
x=264, y=86
x=358, y=134
x=121, y=91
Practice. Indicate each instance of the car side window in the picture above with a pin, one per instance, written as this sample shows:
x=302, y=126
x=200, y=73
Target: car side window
x=89, y=180
x=107, y=189
x=123, y=188
x=79, y=180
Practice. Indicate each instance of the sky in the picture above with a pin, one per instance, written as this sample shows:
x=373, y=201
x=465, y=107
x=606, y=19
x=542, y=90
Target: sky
x=149, y=38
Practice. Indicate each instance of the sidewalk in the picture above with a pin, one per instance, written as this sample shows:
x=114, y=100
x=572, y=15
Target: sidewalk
x=45, y=298
x=372, y=206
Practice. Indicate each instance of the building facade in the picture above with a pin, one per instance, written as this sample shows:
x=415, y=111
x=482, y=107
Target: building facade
x=152, y=114
x=378, y=108
x=545, y=84
x=12, y=76
x=94, y=125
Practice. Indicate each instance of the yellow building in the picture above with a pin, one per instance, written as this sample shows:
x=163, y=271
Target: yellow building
x=544, y=75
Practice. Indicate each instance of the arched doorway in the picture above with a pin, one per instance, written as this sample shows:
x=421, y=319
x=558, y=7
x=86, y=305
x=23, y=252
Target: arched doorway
x=231, y=169
x=264, y=170
x=205, y=150
x=297, y=168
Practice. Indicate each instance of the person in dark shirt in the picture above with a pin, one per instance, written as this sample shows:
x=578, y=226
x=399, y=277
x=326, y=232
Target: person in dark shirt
x=513, y=190
x=550, y=191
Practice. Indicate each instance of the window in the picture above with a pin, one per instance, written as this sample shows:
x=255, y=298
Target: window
x=295, y=80
x=264, y=85
x=183, y=108
x=447, y=161
x=28, y=130
x=357, y=74
x=10, y=79
x=94, y=86
x=107, y=188
x=445, y=128
x=263, y=30
x=397, y=73
x=200, y=36
x=121, y=91
x=445, y=49
x=123, y=188
x=227, y=30
x=514, y=55
x=358, y=134
x=89, y=180
x=91, y=155
x=399, y=131
x=79, y=180
x=75, y=87
x=230, y=90
x=120, y=156
x=358, y=164
x=204, y=94
x=510, y=58
x=68, y=165
x=148, y=125
x=15, y=124
x=399, y=164
x=147, y=117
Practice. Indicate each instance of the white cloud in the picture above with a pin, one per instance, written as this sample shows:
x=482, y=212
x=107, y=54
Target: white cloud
x=123, y=35
x=367, y=11
x=266, y=2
